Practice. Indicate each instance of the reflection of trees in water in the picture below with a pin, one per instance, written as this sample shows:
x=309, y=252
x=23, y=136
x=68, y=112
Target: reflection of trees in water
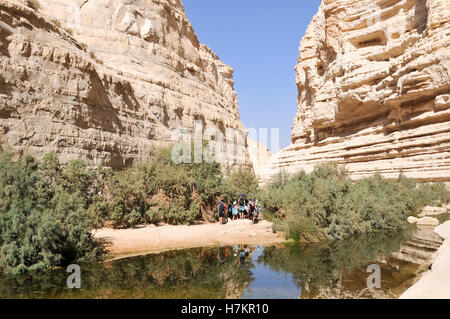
x=208, y=272
x=193, y=273
x=319, y=266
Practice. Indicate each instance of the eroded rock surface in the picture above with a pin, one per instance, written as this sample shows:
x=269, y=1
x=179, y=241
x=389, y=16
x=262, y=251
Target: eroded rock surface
x=105, y=80
x=260, y=157
x=435, y=284
x=374, y=90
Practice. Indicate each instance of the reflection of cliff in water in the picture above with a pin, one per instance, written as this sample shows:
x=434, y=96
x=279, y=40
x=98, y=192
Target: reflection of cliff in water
x=194, y=273
x=339, y=269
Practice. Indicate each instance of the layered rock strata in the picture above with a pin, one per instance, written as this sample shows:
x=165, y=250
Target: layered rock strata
x=106, y=80
x=374, y=90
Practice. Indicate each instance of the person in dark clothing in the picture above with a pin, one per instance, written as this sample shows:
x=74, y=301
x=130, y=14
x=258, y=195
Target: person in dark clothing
x=254, y=211
x=242, y=255
x=230, y=210
x=241, y=203
x=221, y=256
x=221, y=211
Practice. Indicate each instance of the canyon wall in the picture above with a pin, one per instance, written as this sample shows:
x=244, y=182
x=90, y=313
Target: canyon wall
x=261, y=158
x=106, y=80
x=374, y=90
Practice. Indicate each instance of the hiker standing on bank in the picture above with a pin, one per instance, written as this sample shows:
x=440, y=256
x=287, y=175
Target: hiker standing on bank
x=221, y=211
x=235, y=210
x=241, y=203
x=230, y=210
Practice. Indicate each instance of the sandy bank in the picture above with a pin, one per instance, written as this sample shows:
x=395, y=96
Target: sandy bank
x=435, y=284
x=151, y=239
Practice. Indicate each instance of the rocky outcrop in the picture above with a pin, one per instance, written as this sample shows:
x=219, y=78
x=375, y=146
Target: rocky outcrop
x=428, y=221
x=435, y=284
x=374, y=90
x=106, y=80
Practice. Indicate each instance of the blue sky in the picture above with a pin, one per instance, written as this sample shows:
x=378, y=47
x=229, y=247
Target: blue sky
x=260, y=40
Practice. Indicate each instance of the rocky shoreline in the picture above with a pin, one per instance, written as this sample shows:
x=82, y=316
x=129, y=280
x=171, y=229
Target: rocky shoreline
x=434, y=283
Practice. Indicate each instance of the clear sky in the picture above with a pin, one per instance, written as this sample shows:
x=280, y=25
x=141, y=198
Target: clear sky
x=260, y=40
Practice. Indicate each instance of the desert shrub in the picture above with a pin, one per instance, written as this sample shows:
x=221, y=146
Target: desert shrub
x=327, y=204
x=41, y=224
x=241, y=181
x=56, y=22
x=47, y=210
x=435, y=194
x=159, y=191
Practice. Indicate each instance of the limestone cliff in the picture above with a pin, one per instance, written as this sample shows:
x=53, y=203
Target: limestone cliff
x=260, y=156
x=105, y=80
x=374, y=90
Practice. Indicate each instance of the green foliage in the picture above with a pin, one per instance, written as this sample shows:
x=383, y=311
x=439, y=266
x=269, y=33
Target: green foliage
x=42, y=225
x=327, y=204
x=242, y=181
x=193, y=273
x=161, y=191
x=56, y=22
x=329, y=264
x=157, y=191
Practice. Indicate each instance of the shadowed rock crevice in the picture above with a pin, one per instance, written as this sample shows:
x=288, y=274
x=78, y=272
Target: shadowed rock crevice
x=421, y=16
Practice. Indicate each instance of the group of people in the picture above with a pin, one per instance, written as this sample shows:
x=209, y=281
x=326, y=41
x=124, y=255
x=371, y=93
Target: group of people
x=239, y=209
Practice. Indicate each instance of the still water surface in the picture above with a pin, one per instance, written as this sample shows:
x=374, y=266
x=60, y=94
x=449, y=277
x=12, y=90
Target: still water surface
x=284, y=271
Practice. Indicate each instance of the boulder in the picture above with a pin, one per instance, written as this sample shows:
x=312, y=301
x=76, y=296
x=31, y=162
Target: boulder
x=428, y=221
x=443, y=230
x=433, y=211
x=412, y=220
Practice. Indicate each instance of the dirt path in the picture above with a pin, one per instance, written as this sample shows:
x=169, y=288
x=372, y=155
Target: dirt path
x=151, y=239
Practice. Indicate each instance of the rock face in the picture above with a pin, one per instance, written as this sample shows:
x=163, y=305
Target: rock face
x=260, y=157
x=105, y=80
x=435, y=284
x=374, y=90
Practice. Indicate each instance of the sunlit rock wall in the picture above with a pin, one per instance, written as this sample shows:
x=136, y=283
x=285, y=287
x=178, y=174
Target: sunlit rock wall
x=106, y=80
x=374, y=90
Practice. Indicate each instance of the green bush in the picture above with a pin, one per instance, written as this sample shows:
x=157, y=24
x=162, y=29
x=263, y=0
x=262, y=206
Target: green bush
x=242, y=181
x=47, y=210
x=42, y=225
x=160, y=191
x=327, y=204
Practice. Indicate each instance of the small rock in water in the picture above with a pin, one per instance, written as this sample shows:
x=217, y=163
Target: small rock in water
x=428, y=221
x=412, y=220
